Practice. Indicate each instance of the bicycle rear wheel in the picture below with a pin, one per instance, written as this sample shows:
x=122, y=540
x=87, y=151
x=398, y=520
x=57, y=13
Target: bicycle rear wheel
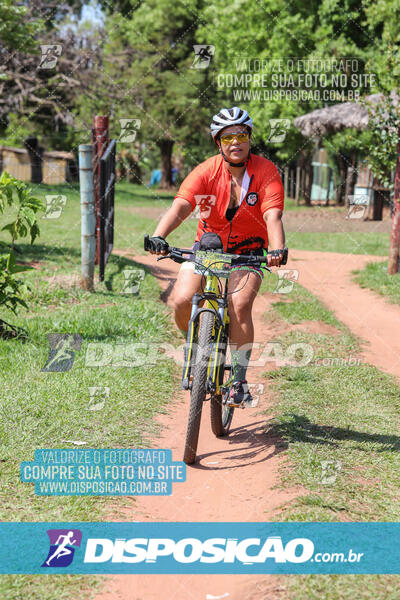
x=199, y=386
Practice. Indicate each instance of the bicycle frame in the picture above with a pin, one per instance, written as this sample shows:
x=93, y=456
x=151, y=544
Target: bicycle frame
x=212, y=333
x=216, y=303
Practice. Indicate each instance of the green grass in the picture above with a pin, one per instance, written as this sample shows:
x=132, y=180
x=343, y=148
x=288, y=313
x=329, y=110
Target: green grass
x=44, y=587
x=375, y=277
x=325, y=413
x=343, y=242
x=339, y=425
x=130, y=228
x=59, y=241
x=43, y=409
x=133, y=194
x=298, y=305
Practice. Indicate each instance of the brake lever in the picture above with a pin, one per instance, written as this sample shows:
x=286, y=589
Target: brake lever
x=175, y=256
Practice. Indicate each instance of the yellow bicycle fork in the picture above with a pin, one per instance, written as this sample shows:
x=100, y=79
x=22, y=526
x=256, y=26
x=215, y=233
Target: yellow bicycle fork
x=214, y=365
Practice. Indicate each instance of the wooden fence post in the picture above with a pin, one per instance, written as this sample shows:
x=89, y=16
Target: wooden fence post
x=100, y=143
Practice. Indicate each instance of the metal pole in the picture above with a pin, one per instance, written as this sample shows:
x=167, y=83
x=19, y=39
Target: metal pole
x=88, y=217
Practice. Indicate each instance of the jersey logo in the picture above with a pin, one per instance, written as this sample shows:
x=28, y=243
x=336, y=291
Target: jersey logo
x=204, y=204
x=252, y=199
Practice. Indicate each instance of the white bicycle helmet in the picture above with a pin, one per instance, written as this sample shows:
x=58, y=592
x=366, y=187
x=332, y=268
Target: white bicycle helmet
x=230, y=116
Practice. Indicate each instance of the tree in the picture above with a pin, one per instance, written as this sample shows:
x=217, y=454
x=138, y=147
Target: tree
x=278, y=34
x=37, y=96
x=15, y=194
x=148, y=62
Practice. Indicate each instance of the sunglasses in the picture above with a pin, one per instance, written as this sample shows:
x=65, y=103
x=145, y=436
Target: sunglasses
x=228, y=138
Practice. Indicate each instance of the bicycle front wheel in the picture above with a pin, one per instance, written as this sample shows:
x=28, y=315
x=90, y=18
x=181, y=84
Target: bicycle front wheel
x=221, y=414
x=199, y=386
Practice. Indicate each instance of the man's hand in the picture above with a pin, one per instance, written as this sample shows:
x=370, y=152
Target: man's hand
x=275, y=258
x=158, y=245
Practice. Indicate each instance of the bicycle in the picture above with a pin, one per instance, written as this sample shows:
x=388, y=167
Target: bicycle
x=205, y=371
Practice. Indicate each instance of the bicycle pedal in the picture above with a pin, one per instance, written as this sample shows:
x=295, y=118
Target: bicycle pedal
x=242, y=405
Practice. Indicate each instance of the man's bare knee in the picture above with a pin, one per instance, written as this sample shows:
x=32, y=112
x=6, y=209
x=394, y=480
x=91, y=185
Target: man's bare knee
x=240, y=308
x=180, y=302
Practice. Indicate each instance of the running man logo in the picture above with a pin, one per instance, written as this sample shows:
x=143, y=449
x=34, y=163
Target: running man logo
x=54, y=206
x=279, y=129
x=133, y=277
x=330, y=471
x=98, y=397
x=358, y=206
x=286, y=281
x=129, y=129
x=204, y=204
x=203, y=55
x=50, y=54
x=63, y=543
x=62, y=351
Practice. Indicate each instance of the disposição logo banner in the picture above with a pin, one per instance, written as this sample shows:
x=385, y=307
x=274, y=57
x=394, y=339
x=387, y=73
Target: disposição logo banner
x=201, y=548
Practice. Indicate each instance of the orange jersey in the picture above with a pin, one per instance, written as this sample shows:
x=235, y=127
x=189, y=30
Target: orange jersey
x=209, y=186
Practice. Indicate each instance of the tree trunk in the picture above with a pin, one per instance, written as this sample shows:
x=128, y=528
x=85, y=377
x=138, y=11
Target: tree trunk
x=351, y=178
x=298, y=175
x=286, y=182
x=306, y=176
x=393, y=261
x=340, y=189
x=166, y=146
x=309, y=173
x=292, y=176
x=329, y=186
x=379, y=197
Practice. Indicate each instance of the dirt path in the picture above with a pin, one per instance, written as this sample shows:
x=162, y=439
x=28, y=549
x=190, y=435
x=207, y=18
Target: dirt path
x=368, y=315
x=235, y=477
x=233, y=481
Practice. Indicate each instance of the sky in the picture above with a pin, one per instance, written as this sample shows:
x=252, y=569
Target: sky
x=92, y=12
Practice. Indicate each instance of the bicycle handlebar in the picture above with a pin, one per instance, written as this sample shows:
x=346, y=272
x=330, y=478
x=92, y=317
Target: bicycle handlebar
x=176, y=254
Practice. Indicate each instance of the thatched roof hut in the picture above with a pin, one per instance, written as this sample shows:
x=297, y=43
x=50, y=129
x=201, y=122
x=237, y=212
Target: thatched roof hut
x=339, y=116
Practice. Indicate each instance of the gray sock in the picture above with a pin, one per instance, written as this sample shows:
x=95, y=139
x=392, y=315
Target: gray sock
x=240, y=361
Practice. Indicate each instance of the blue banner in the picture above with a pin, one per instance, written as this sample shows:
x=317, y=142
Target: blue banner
x=200, y=548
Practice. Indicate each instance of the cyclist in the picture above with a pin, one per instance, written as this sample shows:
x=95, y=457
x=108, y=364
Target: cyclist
x=240, y=197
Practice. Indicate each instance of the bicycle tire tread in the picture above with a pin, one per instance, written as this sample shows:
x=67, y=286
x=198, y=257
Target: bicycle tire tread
x=198, y=392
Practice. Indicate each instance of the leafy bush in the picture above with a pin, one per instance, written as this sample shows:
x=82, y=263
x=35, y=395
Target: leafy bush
x=14, y=193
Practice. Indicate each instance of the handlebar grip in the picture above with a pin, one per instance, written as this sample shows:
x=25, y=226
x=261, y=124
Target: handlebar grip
x=285, y=256
x=147, y=242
